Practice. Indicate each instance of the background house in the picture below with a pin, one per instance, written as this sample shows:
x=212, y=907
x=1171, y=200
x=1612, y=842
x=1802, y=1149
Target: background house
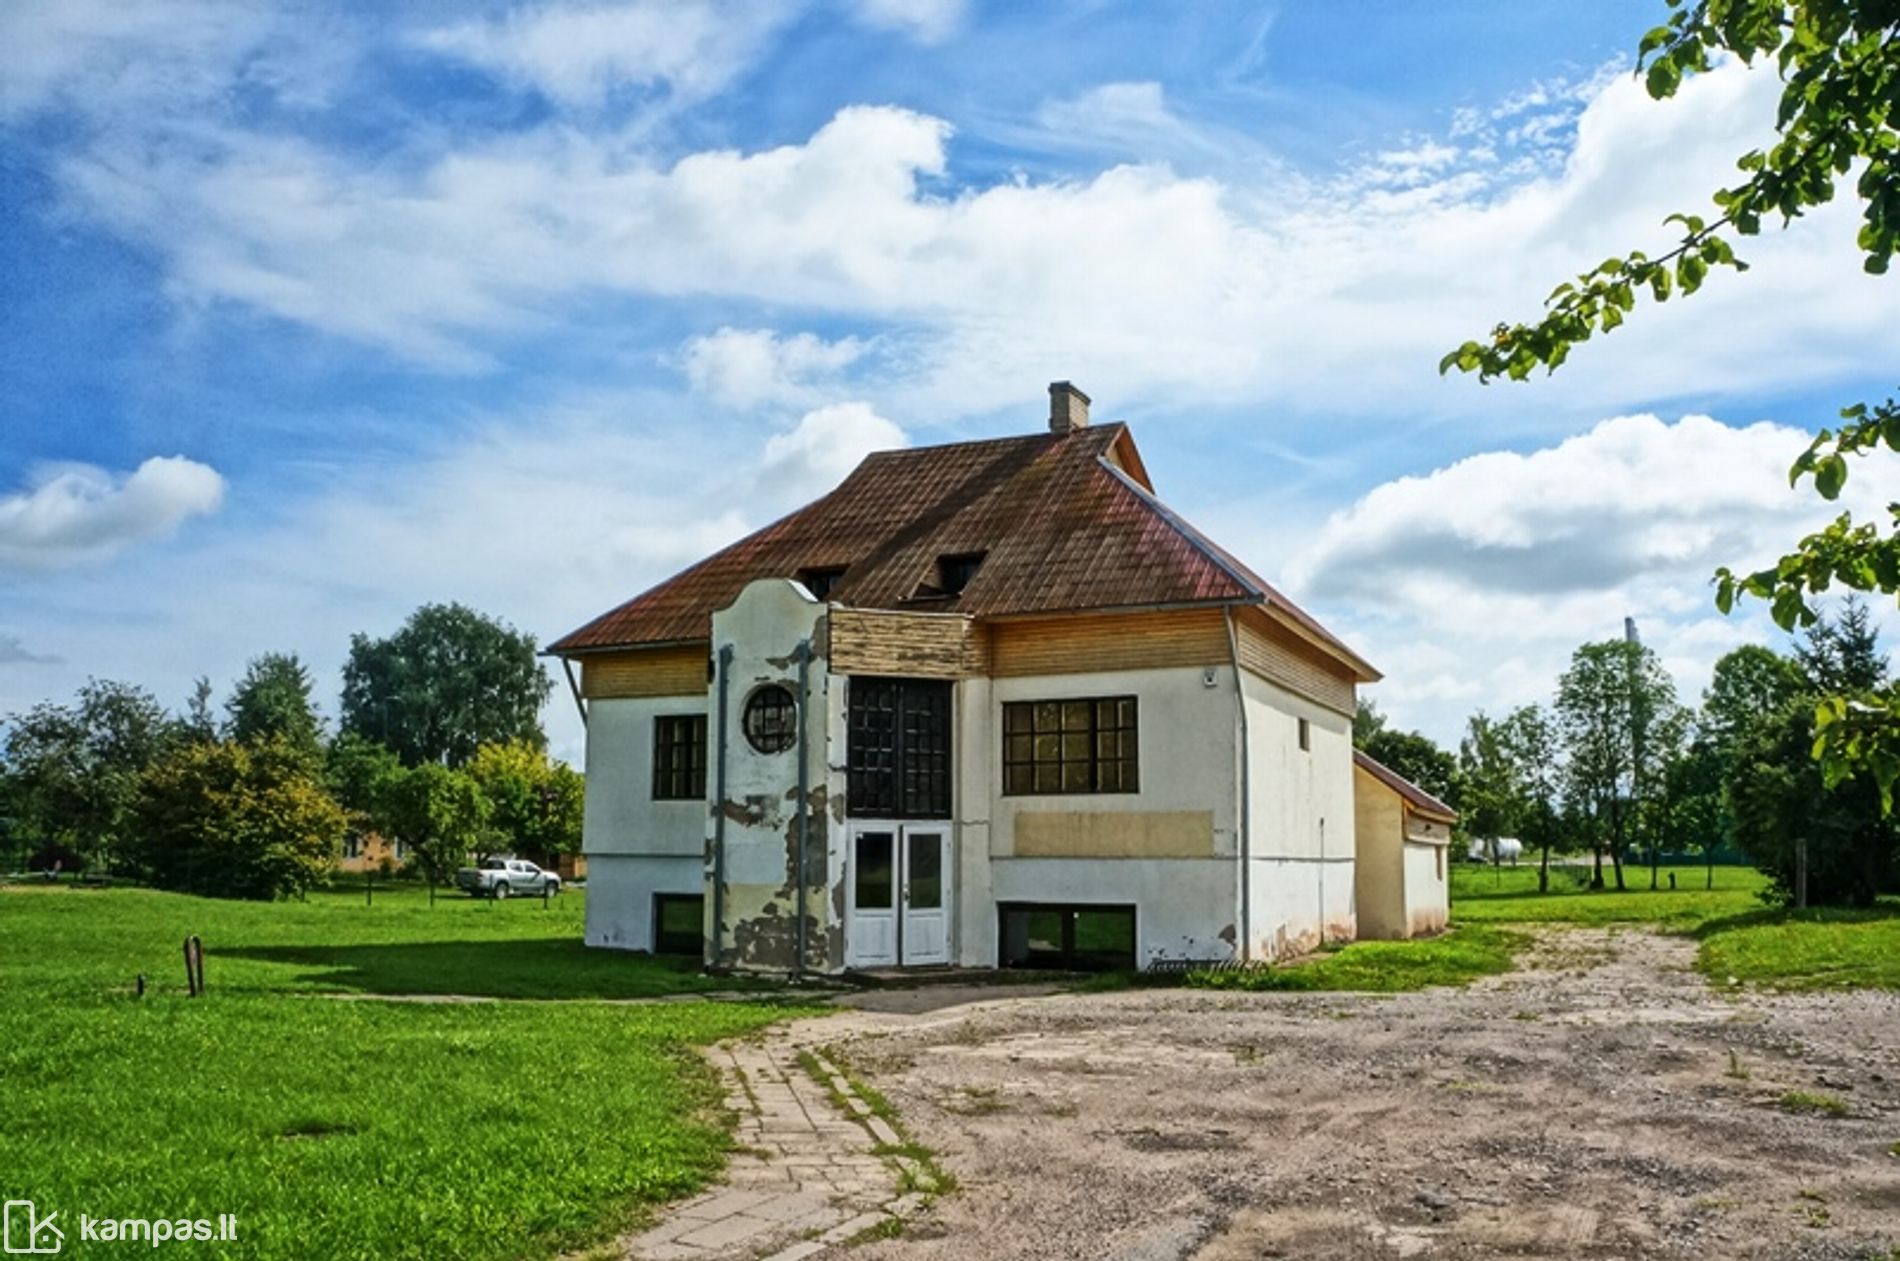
x=985, y=703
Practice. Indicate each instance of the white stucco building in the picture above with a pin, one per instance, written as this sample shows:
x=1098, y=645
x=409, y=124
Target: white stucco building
x=985, y=704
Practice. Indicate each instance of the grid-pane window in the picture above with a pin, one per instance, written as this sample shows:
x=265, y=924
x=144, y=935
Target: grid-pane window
x=897, y=750
x=679, y=757
x=1083, y=745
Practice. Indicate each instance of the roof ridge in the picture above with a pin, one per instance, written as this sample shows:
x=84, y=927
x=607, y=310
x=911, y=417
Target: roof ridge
x=898, y=452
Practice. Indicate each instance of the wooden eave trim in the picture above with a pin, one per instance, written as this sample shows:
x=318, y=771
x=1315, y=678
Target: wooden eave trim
x=1112, y=610
x=602, y=649
x=1361, y=669
x=1128, y=458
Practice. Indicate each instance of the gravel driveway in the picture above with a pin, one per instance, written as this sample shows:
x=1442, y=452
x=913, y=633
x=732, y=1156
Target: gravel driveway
x=1602, y=1101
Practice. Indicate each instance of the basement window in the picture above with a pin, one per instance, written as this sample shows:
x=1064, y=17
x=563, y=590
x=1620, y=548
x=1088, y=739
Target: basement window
x=1072, y=938
x=678, y=923
x=821, y=581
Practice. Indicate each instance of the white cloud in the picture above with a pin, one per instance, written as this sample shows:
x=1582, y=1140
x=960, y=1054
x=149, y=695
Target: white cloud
x=585, y=54
x=1336, y=295
x=127, y=62
x=827, y=443
x=744, y=367
x=926, y=21
x=76, y=513
x=14, y=652
x=1470, y=585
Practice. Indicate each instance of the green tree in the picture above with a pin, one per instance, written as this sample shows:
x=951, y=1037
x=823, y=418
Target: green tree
x=73, y=771
x=1367, y=722
x=1842, y=654
x=1695, y=803
x=439, y=813
x=536, y=801
x=355, y=772
x=1787, y=817
x=1613, y=704
x=272, y=703
x=1416, y=757
x=236, y=819
x=1529, y=739
x=199, y=723
x=450, y=681
x=1839, y=62
x=1747, y=684
x=1492, y=783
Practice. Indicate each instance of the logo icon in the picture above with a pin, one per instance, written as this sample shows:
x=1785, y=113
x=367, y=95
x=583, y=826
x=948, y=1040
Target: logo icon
x=27, y=1232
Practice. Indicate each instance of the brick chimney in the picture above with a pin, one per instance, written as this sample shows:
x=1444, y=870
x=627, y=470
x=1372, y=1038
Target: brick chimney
x=1068, y=408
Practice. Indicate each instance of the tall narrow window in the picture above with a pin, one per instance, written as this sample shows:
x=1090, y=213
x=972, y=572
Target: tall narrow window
x=897, y=749
x=1081, y=745
x=1306, y=734
x=679, y=757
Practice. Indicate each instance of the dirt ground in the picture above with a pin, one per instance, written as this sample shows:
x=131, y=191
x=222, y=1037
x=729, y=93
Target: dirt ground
x=1602, y=1101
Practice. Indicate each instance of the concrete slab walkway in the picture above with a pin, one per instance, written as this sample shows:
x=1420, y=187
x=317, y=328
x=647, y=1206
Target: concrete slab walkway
x=806, y=1176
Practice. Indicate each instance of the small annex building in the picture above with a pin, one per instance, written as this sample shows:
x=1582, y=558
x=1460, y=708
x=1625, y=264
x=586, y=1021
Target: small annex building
x=984, y=704
x=1404, y=837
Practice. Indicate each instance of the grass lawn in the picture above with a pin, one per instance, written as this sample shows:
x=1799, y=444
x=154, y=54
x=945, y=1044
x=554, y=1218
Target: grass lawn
x=1458, y=957
x=1739, y=936
x=1509, y=894
x=101, y=939
x=341, y=1128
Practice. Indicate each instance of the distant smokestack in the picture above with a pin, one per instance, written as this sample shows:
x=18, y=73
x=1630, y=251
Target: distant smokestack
x=1629, y=631
x=1068, y=408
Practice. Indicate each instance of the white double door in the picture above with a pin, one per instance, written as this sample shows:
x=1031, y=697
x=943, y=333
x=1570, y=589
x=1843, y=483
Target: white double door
x=898, y=895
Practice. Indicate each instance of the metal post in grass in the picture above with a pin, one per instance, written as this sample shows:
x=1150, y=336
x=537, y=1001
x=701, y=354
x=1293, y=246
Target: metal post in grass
x=195, y=966
x=141, y=985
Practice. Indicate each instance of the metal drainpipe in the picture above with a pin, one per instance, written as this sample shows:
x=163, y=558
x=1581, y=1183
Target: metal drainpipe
x=804, y=794
x=1245, y=830
x=719, y=810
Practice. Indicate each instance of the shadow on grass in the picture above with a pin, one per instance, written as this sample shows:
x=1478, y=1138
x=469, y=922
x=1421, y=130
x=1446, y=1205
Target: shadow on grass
x=556, y=967
x=1770, y=916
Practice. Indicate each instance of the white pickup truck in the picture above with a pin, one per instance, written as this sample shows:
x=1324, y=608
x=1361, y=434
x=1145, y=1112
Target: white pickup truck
x=505, y=877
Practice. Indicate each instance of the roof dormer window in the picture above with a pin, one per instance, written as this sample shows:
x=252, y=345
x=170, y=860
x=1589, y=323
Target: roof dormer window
x=820, y=581
x=954, y=572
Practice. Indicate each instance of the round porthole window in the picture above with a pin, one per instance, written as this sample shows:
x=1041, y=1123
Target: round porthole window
x=771, y=719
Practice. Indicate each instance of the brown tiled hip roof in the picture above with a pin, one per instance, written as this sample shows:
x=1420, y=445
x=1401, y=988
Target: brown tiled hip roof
x=1061, y=526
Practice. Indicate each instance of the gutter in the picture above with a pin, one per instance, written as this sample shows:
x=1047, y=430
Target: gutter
x=803, y=654
x=1245, y=830
x=719, y=810
x=574, y=689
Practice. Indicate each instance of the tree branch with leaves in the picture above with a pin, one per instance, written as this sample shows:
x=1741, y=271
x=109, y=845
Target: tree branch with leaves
x=1839, y=62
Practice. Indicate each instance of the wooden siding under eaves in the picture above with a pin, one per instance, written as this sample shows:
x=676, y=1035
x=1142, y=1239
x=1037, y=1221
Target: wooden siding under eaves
x=668, y=670
x=1279, y=654
x=949, y=646
x=1111, y=641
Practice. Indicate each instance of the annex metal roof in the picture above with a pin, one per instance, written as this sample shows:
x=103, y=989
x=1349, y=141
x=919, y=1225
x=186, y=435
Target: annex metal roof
x=1420, y=800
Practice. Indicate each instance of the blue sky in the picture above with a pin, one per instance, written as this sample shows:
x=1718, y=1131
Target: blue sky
x=314, y=313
